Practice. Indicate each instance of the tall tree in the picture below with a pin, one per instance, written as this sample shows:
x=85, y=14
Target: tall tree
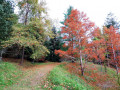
x=34, y=30
x=6, y=14
x=7, y=19
x=81, y=26
x=76, y=29
x=111, y=20
x=66, y=15
x=113, y=46
x=98, y=47
x=52, y=45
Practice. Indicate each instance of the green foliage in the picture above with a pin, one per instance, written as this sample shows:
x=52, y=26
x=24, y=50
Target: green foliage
x=52, y=45
x=63, y=48
x=32, y=36
x=38, y=33
x=58, y=88
x=9, y=74
x=6, y=19
x=111, y=20
x=30, y=9
x=89, y=79
x=66, y=15
x=60, y=78
x=95, y=38
x=34, y=31
x=61, y=42
x=110, y=71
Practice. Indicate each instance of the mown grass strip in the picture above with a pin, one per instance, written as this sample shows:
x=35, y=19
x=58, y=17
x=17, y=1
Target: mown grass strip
x=60, y=79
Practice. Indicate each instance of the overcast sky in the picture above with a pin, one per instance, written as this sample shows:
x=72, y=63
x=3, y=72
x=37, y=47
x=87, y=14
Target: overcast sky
x=96, y=10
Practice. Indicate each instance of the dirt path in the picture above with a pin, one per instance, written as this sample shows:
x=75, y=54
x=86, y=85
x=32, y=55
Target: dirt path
x=33, y=77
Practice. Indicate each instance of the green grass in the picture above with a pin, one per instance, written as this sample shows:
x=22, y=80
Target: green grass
x=42, y=63
x=110, y=71
x=9, y=74
x=63, y=80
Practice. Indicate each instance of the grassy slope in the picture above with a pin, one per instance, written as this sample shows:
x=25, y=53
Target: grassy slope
x=9, y=74
x=60, y=79
x=94, y=77
x=16, y=77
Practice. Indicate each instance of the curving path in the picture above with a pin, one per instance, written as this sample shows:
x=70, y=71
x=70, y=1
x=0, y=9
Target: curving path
x=34, y=77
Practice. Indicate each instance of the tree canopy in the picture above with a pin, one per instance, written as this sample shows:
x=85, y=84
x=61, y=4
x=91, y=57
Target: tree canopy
x=6, y=19
x=32, y=32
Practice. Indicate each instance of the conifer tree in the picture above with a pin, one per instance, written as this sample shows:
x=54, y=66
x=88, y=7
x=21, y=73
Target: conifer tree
x=7, y=19
x=52, y=45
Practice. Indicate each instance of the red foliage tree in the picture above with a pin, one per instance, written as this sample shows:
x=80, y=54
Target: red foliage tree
x=96, y=48
x=77, y=28
x=113, y=45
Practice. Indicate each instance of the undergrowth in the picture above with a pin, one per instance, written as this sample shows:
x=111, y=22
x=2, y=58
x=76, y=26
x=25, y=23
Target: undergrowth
x=94, y=77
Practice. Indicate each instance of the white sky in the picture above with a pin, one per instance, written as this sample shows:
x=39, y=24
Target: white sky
x=96, y=10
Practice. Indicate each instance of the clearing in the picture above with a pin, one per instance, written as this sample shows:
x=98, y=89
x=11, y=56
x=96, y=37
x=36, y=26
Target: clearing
x=65, y=76
x=33, y=77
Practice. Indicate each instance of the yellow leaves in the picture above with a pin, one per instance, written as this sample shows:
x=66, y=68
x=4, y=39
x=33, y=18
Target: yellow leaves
x=23, y=4
x=40, y=31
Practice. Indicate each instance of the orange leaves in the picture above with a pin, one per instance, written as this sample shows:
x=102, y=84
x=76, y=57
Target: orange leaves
x=113, y=43
x=60, y=52
x=65, y=37
x=23, y=4
x=64, y=45
x=75, y=30
x=96, y=32
x=97, y=46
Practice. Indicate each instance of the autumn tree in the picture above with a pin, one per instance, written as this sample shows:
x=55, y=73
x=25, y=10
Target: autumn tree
x=76, y=32
x=65, y=39
x=98, y=47
x=33, y=31
x=81, y=26
x=113, y=46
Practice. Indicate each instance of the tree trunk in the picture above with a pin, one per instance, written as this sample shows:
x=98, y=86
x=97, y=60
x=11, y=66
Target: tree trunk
x=1, y=56
x=72, y=51
x=26, y=15
x=108, y=63
x=105, y=66
x=81, y=64
x=33, y=61
x=86, y=60
x=117, y=70
x=115, y=59
x=101, y=65
x=22, y=55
